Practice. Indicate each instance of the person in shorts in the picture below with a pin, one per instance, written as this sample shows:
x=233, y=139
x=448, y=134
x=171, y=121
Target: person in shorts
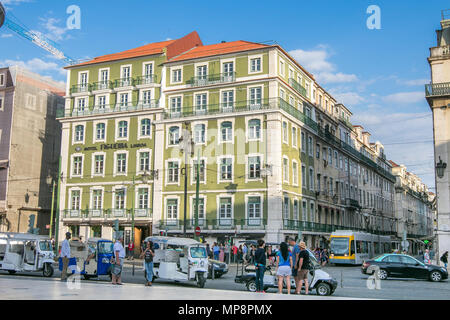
x=303, y=268
x=295, y=253
x=284, y=267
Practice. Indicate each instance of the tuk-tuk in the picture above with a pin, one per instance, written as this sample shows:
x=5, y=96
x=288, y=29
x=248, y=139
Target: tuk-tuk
x=26, y=252
x=91, y=259
x=179, y=259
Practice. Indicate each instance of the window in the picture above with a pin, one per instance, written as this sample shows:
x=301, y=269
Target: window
x=146, y=128
x=1, y=102
x=294, y=137
x=282, y=94
x=175, y=105
x=311, y=209
x=97, y=199
x=81, y=104
x=285, y=132
x=311, y=179
x=176, y=75
x=330, y=156
x=77, y=165
x=144, y=161
x=295, y=173
x=318, y=151
x=100, y=129
x=83, y=81
x=255, y=96
x=148, y=70
x=303, y=176
x=227, y=99
x=303, y=142
x=173, y=171
x=121, y=163
x=295, y=209
x=119, y=198
x=143, y=198
x=199, y=133
x=228, y=69
x=226, y=168
x=254, y=167
x=254, y=129
x=254, y=207
x=285, y=170
x=336, y=163
x=225, y=211
x=104, y=77
x=99, y=163
x=226, y=131
x=172, y=209
x=126, y=74
x=147, y=97
x=174, y=135
x=201, y=208
x=2, y=79
x=123, y=99
x=255, y=65
x=202, y=171
x=200, y=103
x=79, y=133
x=304, y=211
x=286, y=208
x=102, y=102
x=201, y=72
x=75, y=200
x=282, y=68
x=123, y=129
x=310, y=146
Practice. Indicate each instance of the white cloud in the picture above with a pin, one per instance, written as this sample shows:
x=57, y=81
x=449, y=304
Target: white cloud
x=348, y=98
x=54, y=32
x=413, y=82
x=36, y=65
x=6, y=35
x=327, y=77
x=405, y=97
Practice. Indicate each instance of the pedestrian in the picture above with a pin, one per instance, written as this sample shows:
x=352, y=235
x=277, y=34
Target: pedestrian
x=119, y=256
x=208, y=250
x=444, y=259
x=426, y=257
x=65, y=256
x=130, y=250
x=317, y=253
x=295, y=253
x=235, y=252
x=227, y=250
x=303, y=268
x=216, y=251
x=260, y=264
x=244, y=252
x=284, y=267
x=148, y=255
x=324, y=259
x=240, y=253
x=221, y=253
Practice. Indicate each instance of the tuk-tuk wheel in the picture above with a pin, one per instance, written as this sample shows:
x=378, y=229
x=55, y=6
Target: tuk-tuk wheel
x=11, y=271
x=323, y=289
x=251, y=286
x=201, y=280
x=48, y=270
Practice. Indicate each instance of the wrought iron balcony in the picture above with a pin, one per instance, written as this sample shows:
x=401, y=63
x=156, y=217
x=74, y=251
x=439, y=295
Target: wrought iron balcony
x=105, y=214
x=80, y=88
x=102, y=85
x=212, y=79
x=124, y=82
x=108, y=108
x=146, y=79
x=298, y=87
x=437, y=89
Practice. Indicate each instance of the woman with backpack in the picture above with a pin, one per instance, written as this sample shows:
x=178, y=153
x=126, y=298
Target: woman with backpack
x=284, y=267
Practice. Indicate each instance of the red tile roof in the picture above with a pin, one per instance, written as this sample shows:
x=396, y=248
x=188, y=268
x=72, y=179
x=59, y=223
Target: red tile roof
x=393, y=163
x=219, y=49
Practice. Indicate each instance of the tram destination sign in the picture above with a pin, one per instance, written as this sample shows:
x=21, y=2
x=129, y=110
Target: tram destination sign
x=115, y=146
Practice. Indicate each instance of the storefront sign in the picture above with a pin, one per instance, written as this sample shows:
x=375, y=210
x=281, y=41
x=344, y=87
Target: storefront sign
x=115, y=146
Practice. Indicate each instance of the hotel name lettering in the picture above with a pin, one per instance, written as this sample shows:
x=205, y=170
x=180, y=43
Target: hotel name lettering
x=115, y=146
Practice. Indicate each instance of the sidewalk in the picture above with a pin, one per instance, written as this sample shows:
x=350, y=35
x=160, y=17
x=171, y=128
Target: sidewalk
x=54, y=289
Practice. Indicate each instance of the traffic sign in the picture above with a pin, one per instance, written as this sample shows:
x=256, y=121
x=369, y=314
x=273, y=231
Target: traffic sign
x=405, y=244
x=197, y=231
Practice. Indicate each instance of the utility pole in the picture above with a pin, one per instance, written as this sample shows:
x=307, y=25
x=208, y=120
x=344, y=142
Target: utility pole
x=186, y=147
x=132, y=221
x=197, y=191
x=51, y=212
x=57, y=207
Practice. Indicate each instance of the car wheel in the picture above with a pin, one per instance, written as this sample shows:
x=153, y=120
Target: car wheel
x=251, y=286
x=48, y=270
x=11, y=271
x=323, y=289
x=436, y=276
x=382, y=274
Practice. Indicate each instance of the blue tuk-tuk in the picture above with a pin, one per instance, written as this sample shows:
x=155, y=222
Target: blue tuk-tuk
x=91, y=259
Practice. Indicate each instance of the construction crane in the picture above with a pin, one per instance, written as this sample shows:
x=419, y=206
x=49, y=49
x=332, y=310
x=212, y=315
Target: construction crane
x=13, y=24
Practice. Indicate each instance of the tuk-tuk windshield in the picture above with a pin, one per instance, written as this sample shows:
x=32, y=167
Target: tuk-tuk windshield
x=45, y=245
x=198, y=252
x=105, y=247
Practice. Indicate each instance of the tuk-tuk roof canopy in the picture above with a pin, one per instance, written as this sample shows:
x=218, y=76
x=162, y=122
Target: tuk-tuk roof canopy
x=23, y=236
x=174, y=241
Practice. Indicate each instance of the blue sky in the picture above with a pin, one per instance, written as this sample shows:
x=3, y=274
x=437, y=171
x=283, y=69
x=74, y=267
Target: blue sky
x=378, y=74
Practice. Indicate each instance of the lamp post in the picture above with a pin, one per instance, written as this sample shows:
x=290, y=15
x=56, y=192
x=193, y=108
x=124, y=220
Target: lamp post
x=440, y=168
x=50, y=181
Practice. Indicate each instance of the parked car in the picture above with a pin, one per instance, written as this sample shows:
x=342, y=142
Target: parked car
x=403, y=266
x=220, y=268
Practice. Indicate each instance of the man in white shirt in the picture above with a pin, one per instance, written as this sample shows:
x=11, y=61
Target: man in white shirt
x=65, y=255
x=119, y=256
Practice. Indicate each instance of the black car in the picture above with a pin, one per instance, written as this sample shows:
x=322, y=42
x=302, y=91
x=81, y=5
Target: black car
x=220, y=268
x=403, y=266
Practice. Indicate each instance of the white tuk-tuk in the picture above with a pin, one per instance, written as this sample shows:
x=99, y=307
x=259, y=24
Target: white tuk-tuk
x=26, y=252
x=179, y=259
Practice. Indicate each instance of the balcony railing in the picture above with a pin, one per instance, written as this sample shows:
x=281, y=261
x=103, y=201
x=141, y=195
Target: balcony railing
x=212, y=79
x=92, y=214
x=346, y=122
x=80, y=88
x=102, y=85
x=437, y=89
x=215, y=224
x=147, y=79
x=298, y=87
x=124, y=82
x=108, y=108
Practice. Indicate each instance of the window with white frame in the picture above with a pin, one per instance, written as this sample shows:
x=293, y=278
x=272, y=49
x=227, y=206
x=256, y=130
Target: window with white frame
x=255, y=65
x=123, y=99
x=122, y=129
x=317, y=151
x=254, y=207
x=143, y=198
x=199, y=133
x=100, y=131
x=286, y=170
x=174, y=136
x=254, y=167
x=226, y=169
x=144, y=161
x=225, y=208
x=81, y=104
x=173, y=171
x=285, y=132
x=228, y=99
x=99, y=164
x=77, y=165
x=119, y=199
x=228, y=69
x=311, y=210
x=201, y=207
x=311, y=179
x=126, y=74
x=255, y=96
x=97, y=199
x=310, y=146
x=147, y=97
x=296, y=209
x=79, y=133
x=148, y=70
x=226, y=129
x=146, y=127
x=172, y=209
x=294, y=137
x=200, y=103
x=303, y=176
x=202, y=170
x=254, y=129
x=104, y=77
x=121, y=163
x=286, y=212
x=83, y=78
x=201, y=72
x=176, y=75
x=292, y=101
x=304, y=211
x=282, y=67
x=295, y=172
x=75, y=199
x=282, y=94
x=101, y=102
x=303, y=142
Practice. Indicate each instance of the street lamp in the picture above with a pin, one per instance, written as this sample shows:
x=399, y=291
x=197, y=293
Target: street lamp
x=50, y=181
x=440, y=168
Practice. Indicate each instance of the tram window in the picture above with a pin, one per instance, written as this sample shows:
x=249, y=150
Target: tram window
x=359, y=246
x=352, y=247
x=16, y=247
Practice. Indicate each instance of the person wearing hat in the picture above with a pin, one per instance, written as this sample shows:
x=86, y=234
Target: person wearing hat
x=65, y=256
x=303, y=268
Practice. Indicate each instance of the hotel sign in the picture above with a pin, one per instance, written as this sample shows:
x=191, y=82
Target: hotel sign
x=116, y=146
